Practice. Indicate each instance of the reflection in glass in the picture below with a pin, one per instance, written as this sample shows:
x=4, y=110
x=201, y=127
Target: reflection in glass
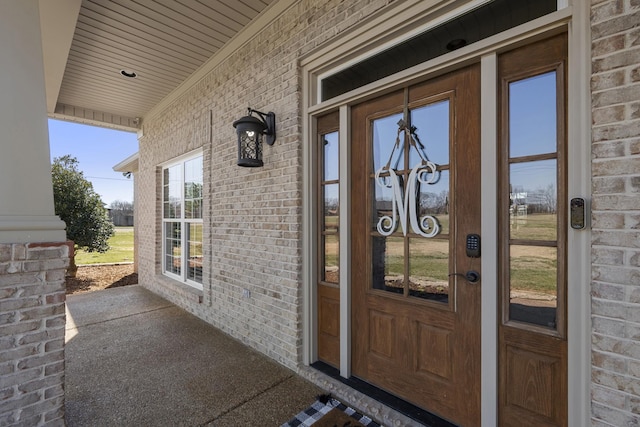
x=193, y=182
x=193, y=172
x=533, y=289
x=429, y=269
x=385, y=132
x=331, y=206
x=172, y=192
x=434, y=200
x=388, y=263
x=194, y=254
x=432, y=128
x=532, y=116
x=331, y=272
x=383, y=202
x=193, y=209
x=330, y=217
x=173, y=252
x=533, y=200
x=331, y=156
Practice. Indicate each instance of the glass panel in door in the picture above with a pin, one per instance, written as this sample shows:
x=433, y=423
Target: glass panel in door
x=411, y=200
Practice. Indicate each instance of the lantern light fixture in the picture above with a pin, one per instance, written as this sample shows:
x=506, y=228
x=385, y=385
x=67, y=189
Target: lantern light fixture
x=250, y=132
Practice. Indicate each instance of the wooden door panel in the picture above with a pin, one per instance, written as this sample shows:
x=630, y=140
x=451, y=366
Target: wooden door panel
x=396, y=361
x=329, y=324
x=425, y=351
x=534, y=380
x=434, y=351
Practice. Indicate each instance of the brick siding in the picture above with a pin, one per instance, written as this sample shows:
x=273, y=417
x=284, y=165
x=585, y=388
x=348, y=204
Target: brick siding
x=615, y=288
x=32, y=324
x=252, y=216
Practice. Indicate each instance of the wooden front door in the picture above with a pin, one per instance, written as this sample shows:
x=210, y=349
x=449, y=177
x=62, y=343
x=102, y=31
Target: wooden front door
x=415, y=165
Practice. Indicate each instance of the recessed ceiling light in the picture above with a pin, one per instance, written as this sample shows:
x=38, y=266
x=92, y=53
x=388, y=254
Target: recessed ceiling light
x=130, y=74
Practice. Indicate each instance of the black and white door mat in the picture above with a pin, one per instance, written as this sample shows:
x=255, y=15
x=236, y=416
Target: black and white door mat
x=322, y=407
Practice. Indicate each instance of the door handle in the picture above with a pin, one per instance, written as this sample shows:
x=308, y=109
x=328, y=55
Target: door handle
x=470, y=276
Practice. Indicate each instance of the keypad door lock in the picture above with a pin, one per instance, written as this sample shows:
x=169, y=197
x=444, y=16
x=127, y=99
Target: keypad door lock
x=473, y=245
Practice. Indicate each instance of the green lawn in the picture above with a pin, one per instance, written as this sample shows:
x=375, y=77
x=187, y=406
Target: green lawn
x=121, y=249
x=534, y=226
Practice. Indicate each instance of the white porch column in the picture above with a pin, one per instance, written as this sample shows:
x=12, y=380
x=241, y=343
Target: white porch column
x=26, y=195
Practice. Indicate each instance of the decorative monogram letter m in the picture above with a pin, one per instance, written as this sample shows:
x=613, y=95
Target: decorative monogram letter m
x=404, y=205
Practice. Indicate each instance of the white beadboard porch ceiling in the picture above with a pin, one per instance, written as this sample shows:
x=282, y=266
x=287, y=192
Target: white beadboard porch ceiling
x=162, y=41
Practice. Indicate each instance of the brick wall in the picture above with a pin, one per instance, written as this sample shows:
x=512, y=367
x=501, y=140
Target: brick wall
x=253, y=216
x=615, y=87
x=32, y=324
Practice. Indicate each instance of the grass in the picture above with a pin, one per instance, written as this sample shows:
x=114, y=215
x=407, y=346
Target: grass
x=532, y=268
x=121, y=249
x=534, y=226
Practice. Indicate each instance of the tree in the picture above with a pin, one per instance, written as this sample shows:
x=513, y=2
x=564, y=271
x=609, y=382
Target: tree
x=126, y=208
x=80, y=207
x=121, y=213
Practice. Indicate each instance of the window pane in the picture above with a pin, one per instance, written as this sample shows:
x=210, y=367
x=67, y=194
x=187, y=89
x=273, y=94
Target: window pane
x=533, y=200
x=188, y=208
x=197, y=208
x=429, y=269
x=331, y=207
x=193, y=182
x=193, y=170
x=192, y=190
x=172, y=192
x=388, y=263
x=532, y=116
x=331, y=271
x=331, y=156
x=533, y=289
x=385, y=132
x=432, y=128
x=383, y=205
x=173, y=254
x=434, y=201
x=194, y=252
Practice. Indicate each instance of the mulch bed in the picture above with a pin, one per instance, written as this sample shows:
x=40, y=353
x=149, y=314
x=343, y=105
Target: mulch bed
x=96, y=277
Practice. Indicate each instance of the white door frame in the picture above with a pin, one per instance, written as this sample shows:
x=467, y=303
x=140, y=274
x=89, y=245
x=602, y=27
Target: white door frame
x=331, y=57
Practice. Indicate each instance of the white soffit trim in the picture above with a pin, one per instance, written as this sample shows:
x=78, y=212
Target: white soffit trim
x=272, y=12
x=130, y=164
x=57, y=26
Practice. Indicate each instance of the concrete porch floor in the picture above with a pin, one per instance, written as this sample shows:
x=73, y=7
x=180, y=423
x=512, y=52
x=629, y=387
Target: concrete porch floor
x=132, y=358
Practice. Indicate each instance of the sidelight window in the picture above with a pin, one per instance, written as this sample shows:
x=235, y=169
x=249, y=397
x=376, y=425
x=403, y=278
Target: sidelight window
x=532, y=198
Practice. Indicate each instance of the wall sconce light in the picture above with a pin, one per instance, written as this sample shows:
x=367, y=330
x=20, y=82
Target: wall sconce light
x=250, y=131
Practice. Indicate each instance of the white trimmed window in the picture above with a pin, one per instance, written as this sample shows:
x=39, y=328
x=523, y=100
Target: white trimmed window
x=182, y=220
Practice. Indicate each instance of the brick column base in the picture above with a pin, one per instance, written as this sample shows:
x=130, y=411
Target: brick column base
x=32, y=325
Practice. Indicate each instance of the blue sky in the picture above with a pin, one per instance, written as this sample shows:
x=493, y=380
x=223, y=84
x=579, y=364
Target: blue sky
x=97, y=150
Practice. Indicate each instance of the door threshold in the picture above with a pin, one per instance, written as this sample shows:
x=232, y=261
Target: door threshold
x=402, y=406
